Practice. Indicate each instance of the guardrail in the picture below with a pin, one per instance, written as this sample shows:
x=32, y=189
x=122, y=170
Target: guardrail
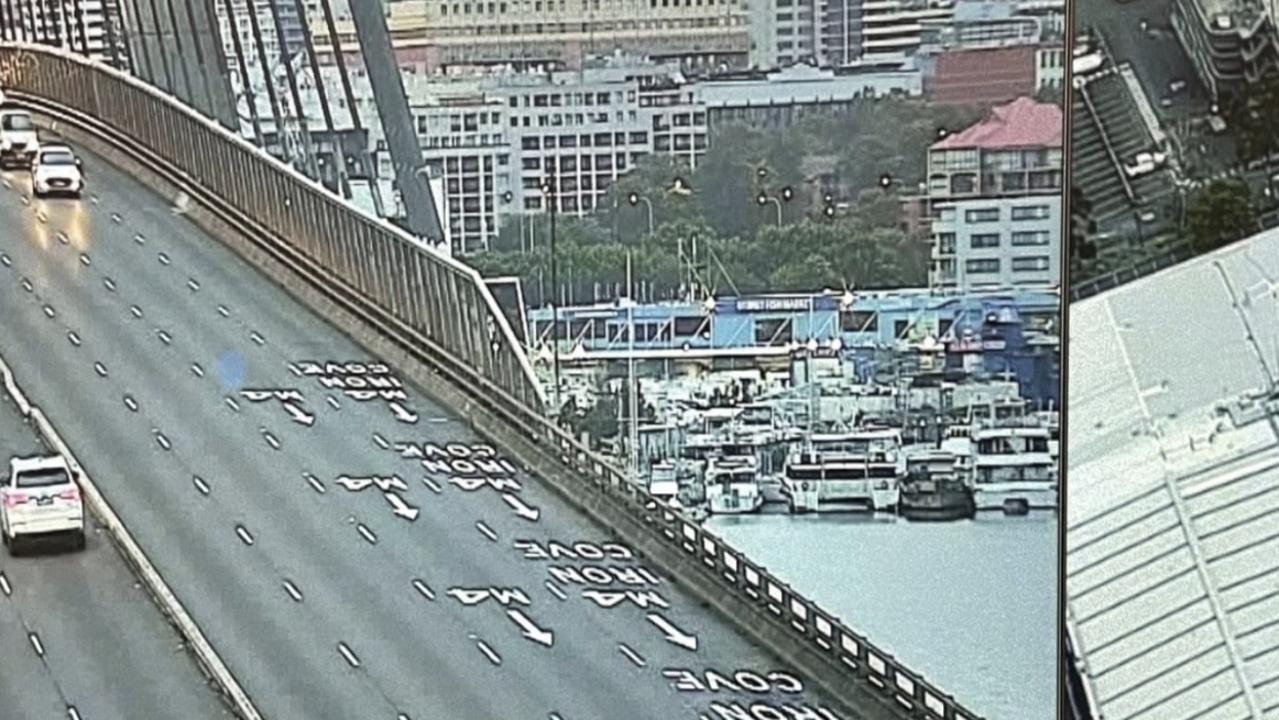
x=168, y=602
x=435, y=309
x=1114, y=279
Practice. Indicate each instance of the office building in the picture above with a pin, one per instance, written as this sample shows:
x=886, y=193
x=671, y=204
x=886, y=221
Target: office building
x=994, y=193
x=430, y=36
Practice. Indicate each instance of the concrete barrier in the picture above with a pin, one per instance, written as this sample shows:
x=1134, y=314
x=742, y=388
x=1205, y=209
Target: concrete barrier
x=133, y=554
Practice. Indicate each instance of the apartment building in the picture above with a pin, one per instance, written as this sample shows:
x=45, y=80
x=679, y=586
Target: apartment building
x=1230, y=43
x=833, y=33
x=429, y=36
x=994, y=193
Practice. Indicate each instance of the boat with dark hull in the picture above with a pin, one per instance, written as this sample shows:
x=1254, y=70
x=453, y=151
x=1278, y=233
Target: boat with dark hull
x=933, y=491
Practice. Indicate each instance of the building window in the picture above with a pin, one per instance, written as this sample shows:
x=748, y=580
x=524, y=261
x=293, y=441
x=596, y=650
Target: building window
x=984, y=241
x=982, y=266
x=1030, y=212
x=983, y=215
x=1030, y=264
x=1024, y=238
x=946, y=243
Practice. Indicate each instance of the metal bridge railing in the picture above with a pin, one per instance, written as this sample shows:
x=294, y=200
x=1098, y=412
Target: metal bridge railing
x=438, y=309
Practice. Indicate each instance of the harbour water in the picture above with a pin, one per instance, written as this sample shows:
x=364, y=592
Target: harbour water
x=972, y=605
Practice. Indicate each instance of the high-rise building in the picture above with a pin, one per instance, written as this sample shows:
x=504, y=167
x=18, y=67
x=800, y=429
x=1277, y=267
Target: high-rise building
x=833, y=33
x=429, y=36
x=77, y=25
x=994, y=192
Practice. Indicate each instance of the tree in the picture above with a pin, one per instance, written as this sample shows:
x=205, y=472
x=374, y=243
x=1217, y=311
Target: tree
x=1220, y=214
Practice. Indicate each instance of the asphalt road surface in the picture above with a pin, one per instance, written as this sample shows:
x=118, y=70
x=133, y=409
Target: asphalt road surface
x=79, y=631
x=394, y=593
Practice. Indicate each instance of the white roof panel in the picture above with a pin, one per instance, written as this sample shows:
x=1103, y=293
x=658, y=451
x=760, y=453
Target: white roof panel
x=1173, y=527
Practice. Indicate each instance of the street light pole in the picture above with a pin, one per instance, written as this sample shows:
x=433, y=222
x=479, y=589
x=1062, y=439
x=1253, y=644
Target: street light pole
x=635, y=199
x=552, y=196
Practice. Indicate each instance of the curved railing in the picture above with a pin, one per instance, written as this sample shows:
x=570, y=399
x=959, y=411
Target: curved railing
x=441, y=312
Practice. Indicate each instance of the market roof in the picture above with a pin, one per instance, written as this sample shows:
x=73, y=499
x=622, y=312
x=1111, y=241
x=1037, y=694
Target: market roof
x=1172, y=539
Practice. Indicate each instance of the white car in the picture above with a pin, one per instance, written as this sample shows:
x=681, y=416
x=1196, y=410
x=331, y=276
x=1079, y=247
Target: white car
x=19, y=141
x=40, y=497
x=56, y=169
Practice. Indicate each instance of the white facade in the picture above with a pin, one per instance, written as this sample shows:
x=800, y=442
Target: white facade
x=994, y=242
x=1050, y=68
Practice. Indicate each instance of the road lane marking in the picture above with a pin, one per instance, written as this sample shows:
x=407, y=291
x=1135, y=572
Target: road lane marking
x=100, y=369
x=35, y=643
x=109, y=284
x=230, y=401
x=165, y=337
x=162, y=439
x=245, y=536
x=367, y=533
x=486, y=530
x=489, y=653
x=49, y=312
x=420, y=586
x=130, y=403
x=72, y=713
x=26, y=285
x=256, y=338
x=333, y=402
x=270, y=439
x=5, y=259
x=164, y=259
x=75, y=339
x=115, y=218
x=435, y=487
x=555, y=590
x=315, y=482
x=200, y=484
x=351, y=659
x=4, y=585
x=139, y=238
x=634, y=656
x=195, y=368
x=293, y=591
x=222, y=310
x=381, y=441
x=137, y=311
x=85, y=260
x=191, y=283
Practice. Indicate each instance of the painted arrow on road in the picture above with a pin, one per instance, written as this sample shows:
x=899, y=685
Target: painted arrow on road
x=402, y=414
x=299, y=415
x=385, y=484
x=525, y=511
x=673, y=634
x=354, y=484
x=531, y=630
x=402, y=509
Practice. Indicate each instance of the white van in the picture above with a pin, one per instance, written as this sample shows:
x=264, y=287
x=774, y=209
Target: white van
x=19, y=142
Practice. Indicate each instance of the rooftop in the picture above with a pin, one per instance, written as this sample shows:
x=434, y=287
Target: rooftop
x=1172, y=549
x=1022, y=123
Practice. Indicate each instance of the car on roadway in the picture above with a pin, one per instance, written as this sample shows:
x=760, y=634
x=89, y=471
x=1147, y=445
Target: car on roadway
x=40, y=497
x=1145, y=163
x=56, y=170
x=19, y=141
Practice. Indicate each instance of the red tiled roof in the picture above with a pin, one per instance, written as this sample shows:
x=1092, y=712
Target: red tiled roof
x=985, y=76
x=1023, y=122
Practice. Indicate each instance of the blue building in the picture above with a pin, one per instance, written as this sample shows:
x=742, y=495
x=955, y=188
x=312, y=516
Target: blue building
x=990, y=332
